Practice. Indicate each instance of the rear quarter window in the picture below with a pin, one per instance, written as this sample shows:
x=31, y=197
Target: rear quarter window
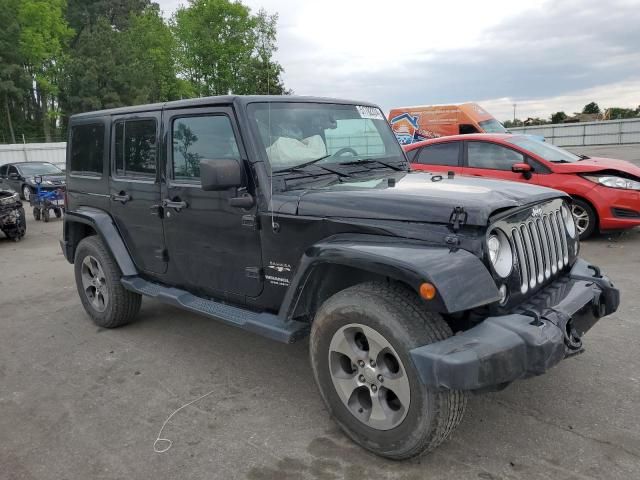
x=87, y=150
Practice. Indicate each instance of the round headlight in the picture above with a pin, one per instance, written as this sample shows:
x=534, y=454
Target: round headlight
x=500, y=253
x=568, y=221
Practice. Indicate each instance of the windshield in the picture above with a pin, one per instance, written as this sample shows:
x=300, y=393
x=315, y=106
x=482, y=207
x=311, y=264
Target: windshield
x=28, y=169
x=549, y=152
x=492, y=126
x=295, y=135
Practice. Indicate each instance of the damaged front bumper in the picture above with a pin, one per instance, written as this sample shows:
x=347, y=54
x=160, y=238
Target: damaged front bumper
x=525, y=343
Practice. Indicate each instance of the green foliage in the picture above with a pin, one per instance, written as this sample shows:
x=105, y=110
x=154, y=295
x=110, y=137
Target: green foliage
x=60, y=57
x=615, y=113
x=591, y=108
x=223, y=48
x=558, y=117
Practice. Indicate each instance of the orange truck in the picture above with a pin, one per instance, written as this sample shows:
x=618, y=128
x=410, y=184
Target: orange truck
x=413, y=124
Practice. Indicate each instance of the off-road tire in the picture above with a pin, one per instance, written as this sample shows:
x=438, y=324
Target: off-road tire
x=36, y=214
x=398, y=314
x=123, y=305
x=45, y=215
x=57, y=212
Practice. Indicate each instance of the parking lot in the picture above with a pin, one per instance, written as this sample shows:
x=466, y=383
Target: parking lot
x=77, y=401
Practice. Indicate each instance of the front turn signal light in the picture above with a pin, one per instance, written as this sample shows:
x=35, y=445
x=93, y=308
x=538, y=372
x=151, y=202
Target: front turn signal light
x=427, y=291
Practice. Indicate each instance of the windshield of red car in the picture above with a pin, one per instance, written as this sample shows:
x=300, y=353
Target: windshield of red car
x=549, y=152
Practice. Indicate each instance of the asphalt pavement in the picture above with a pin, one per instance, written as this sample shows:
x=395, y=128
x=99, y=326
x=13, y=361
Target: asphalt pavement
x=82, y=402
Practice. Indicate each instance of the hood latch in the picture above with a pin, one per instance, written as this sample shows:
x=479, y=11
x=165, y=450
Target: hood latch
x=458, y=218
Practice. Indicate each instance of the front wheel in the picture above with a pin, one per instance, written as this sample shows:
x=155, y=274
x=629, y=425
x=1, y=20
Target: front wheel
x=359, y=349
x=26, y=192
x=584, y=217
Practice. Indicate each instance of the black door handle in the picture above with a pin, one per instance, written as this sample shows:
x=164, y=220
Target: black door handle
x=176, y=204
x=121, y=197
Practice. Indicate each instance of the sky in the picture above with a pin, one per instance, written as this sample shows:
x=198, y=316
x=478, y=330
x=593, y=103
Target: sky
x=543, y=56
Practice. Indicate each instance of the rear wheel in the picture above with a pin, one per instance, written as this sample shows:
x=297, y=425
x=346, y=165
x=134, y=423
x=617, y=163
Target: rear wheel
x=45, y=215
x=359, y=349
x=104, y=298
x=57, y=212
x=36, y=213
x=584, y=217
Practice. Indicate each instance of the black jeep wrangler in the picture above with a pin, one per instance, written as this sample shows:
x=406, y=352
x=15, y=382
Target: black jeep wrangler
x=293, y=217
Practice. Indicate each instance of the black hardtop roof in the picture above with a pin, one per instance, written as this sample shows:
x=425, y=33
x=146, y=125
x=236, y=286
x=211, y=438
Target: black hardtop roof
x=241, y=100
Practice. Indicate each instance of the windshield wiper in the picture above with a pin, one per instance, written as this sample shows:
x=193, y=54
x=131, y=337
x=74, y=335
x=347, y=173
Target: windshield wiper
x=374, y=160
x=302, y=165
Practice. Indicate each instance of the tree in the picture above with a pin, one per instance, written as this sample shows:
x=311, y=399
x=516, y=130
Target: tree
x=558, y=117
x=13, y=80
x=223, y=48
x=615, y=113
x=591, y=108
x=112, y=68
x=42, y=39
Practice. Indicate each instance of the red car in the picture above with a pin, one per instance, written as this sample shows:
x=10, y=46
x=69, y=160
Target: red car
x=606, y=192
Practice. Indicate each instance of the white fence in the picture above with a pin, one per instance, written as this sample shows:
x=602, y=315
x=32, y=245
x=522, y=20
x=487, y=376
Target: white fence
x=610, y=132
x=34, y=152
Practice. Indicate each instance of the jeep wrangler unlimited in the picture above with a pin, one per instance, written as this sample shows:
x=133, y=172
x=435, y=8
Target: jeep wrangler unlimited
x=292, y=217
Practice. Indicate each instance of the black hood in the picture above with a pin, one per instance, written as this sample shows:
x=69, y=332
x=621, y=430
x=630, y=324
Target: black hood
x=416, y=197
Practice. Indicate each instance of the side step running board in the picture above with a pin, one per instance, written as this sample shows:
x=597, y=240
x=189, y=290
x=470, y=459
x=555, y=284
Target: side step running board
x=265, y=324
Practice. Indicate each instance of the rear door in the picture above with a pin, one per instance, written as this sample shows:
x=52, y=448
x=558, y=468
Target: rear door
x=134, y=188
x=487, y=159
x=214, y=248
x=439, y=157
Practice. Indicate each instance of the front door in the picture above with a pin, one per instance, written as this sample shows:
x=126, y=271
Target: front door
x=487, y=159
x=213, y=247
x=134, y=189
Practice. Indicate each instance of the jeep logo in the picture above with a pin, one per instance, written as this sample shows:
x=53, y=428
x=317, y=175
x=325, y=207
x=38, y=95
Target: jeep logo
x=536, y=212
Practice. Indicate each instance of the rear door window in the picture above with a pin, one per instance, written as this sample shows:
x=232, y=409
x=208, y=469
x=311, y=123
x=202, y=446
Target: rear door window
x=440, y=154
x=87, y=149
x=135, y=149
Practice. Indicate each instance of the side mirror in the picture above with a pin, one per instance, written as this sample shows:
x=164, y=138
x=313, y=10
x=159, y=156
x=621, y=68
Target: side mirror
x=521, y=168
x=14, y=176
x=221, y=174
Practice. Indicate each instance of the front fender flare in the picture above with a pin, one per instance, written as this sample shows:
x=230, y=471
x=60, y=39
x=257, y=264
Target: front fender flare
x=462, y=281
x=104, y=226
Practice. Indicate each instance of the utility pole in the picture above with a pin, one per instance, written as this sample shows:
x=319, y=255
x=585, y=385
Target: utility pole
x=514, y=113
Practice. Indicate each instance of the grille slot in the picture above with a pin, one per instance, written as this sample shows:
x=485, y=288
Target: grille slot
x=540, y=246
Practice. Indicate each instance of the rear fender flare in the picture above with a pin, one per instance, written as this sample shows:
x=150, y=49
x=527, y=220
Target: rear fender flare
x=462, y=281
x=104, y=226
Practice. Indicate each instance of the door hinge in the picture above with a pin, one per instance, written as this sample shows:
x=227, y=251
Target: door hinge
x=458, y=218
x=256, y=273
x=250, y=221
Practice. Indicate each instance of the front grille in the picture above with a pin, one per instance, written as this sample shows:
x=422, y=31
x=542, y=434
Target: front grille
x=540, y=248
